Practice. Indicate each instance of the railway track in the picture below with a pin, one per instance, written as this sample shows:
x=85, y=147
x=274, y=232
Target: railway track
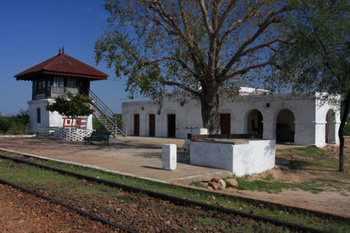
x=118, y=227
x=168, y=198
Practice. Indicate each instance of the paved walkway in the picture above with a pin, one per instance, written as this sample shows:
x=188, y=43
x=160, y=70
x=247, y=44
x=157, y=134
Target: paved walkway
x=142, y=157
x=134, y=156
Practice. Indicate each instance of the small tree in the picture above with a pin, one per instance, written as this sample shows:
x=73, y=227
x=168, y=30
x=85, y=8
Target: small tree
x=317, y=55
x=71, y=105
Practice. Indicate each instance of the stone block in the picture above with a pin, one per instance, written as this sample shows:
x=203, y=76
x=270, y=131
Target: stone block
x=169, y=157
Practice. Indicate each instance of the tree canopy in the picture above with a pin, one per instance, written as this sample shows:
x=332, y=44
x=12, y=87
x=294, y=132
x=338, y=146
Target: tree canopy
x=316, y=55
x=202, y=47
x=71, y=105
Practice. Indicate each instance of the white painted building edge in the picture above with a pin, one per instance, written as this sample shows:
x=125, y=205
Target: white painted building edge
x=315, y=120
x=47, y=118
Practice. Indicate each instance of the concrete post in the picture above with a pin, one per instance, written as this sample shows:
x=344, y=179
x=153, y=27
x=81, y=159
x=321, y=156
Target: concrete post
x=169, y=157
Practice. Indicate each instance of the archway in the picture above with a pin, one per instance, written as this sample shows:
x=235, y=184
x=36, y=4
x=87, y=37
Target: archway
x=254, y=123
x=171, y=125
x=330, y=126
x=285, y=127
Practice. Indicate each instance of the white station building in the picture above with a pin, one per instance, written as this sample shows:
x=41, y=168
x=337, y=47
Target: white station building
x=306, y=119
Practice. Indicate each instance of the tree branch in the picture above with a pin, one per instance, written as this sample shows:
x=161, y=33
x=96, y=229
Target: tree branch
x=268, y=44
x=159, y=8
x=245, y=70
x=205, y=16
x=171, y=83
x=262, y=28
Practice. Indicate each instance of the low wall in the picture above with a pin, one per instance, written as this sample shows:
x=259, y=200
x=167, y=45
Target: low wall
x=239, y=156
x=72, y=134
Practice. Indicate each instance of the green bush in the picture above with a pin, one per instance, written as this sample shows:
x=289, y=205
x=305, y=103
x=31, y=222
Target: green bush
x=96, y=125
x=15, y=125
x=347, y=128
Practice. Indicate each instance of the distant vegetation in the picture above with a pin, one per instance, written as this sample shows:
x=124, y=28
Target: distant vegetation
x=96, y=125
x=15, y=125
x=347, y=128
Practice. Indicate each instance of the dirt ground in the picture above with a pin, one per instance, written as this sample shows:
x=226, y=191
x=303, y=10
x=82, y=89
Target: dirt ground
x=333, y=200
x=330, y=201
x=23, y=212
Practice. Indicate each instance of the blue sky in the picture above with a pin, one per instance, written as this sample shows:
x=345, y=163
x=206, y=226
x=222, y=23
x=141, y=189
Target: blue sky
x=33, y=31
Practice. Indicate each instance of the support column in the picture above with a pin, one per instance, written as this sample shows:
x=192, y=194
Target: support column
x=239, y=127
x=269, y=127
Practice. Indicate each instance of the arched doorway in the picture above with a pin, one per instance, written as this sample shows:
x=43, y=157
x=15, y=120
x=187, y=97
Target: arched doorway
x=285, y=127
x=171, y=125
x=330, y=126
x=255, y=124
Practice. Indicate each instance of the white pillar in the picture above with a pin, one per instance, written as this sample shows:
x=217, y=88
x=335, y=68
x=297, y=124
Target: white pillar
x=269, y=127
x=169, y=156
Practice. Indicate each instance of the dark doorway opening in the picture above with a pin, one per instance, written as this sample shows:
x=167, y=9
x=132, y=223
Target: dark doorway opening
x=255, y=124
x=285, y=128
x=225, y=123
x=171, y=125
x=152, y=125
x=136, y=124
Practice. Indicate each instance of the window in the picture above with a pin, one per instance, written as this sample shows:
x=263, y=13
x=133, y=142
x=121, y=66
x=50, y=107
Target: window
x=58, y=82
x=43, y=85
x=38, y=115
x=48, y=87
x=35, y=88
x=72, y=83
x=40, y=84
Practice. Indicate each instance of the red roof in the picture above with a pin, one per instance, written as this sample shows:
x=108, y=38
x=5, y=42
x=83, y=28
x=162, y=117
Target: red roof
x=62, y=65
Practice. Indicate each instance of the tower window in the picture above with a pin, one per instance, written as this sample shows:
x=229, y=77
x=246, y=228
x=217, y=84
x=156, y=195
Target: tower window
x=58, y=82
x=72, y=83
x=38, y=115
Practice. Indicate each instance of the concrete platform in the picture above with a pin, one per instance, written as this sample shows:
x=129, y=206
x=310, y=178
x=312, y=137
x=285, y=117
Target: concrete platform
x=134, y=156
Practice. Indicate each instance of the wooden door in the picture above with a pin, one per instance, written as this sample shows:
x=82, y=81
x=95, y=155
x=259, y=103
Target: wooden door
x=152, y=125
x=225, y=123
x=136, y=124
x=171, y=125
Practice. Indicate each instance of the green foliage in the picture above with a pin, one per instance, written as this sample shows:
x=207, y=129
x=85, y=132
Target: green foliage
x=96, y=125
x=347, y=128
x=15, y=125
x=316, y=53
x=71, y=105
x=190, y=46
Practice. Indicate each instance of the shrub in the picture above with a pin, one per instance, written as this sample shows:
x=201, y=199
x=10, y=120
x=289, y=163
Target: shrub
x=15, y=125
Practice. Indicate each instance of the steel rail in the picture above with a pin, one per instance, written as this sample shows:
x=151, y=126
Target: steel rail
x=82, y=212
x=177, y=200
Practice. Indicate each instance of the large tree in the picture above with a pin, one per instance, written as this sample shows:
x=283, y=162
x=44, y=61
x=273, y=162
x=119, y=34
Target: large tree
x=202, y=47
x=316, y=56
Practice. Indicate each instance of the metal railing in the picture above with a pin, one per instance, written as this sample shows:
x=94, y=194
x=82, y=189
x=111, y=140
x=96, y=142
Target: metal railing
x=111, y=121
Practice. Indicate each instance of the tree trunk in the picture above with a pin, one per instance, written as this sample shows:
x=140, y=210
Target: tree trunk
x=341, y=131
x=210, y=110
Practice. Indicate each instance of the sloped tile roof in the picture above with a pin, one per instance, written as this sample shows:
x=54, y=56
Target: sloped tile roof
x=62, y=65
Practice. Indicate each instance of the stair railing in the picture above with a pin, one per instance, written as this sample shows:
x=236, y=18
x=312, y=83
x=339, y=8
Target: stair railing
x=108, y=116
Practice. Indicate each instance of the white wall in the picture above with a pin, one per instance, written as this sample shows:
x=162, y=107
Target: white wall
x=309, y=113
x=49, y=119
x=243, y=158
